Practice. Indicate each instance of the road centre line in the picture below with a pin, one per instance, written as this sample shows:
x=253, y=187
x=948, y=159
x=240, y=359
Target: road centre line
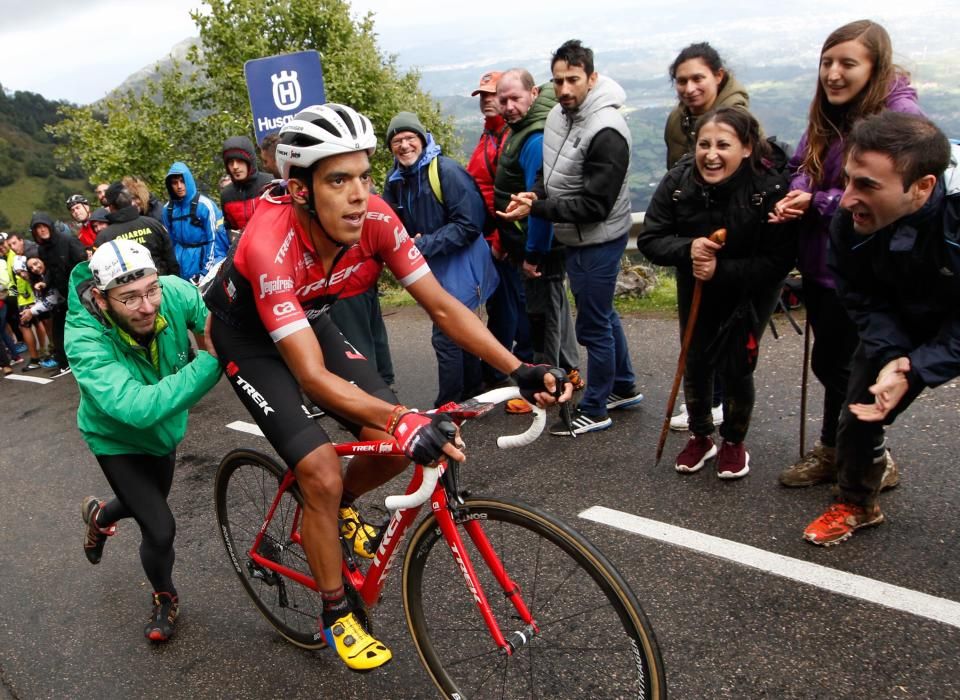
x=245, y=427
x=867, y=589
x=24, y=378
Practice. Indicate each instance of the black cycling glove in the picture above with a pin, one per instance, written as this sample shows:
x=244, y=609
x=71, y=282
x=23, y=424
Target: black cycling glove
x=529, y=379
x=422, y=436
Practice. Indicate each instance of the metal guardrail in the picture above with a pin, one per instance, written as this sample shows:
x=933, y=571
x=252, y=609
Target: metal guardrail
x=635, y=228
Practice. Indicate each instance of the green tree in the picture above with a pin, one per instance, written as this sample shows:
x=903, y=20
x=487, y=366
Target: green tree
x=192, y=113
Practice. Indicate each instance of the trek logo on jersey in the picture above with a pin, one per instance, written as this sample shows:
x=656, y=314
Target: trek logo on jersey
x=250, y=390
x=336, y=278
x=284, y=247
x=379, y=216
x=279, y=284
x=284, y=309
x=400, y=236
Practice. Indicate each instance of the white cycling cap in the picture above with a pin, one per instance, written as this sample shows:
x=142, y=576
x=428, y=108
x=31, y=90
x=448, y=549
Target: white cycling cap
x=120, y=262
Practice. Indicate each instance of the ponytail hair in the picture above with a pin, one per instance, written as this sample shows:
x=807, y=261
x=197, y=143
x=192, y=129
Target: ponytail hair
x=747, y=129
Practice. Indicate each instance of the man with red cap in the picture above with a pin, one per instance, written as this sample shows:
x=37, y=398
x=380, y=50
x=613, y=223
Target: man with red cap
x=505, y=308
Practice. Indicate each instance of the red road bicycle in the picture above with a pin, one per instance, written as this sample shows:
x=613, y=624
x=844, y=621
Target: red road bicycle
x=538, y=610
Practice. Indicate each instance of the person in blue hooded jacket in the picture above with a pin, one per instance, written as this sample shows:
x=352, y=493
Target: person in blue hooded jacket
x=195, y=224
x=447, y=228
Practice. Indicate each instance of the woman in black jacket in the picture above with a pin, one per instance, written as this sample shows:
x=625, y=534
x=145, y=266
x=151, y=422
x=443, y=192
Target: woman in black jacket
x=727, y=183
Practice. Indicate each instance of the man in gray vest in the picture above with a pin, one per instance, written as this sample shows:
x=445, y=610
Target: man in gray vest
x=530, y=243
x=583, y=191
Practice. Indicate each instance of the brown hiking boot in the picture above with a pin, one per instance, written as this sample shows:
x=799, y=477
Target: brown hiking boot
x=819, y=466
x=891, y=474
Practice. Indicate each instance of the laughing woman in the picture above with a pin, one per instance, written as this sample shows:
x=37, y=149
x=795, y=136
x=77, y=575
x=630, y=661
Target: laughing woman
x=727, y=184
x=857, y=78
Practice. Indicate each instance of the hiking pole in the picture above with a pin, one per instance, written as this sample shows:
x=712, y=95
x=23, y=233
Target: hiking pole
x=718, y=236
x=803, y=386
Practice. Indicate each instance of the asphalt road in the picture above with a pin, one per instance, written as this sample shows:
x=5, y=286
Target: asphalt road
x=727, y=626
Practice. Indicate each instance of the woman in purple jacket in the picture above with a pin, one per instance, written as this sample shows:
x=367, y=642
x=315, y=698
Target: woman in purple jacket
x=857, y=78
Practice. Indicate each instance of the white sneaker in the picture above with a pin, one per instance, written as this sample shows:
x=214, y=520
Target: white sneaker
x=681, y=420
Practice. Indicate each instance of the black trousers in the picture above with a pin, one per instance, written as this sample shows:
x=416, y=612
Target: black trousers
x=141, y=484
x=835, y=339
x=860, y=445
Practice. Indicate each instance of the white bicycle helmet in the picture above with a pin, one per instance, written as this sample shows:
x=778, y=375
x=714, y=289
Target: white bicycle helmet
x=120, y=261
x=322, y=131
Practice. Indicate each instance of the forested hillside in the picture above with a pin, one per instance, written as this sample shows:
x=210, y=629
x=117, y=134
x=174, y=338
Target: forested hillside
x=29, y=177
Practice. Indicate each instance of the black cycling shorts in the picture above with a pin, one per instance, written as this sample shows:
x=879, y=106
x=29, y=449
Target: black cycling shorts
x=270, y=392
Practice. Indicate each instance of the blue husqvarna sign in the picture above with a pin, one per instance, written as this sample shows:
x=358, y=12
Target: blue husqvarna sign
x=280, y=86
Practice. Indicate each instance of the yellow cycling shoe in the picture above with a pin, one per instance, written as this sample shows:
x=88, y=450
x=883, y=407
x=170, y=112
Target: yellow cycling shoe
x=358, y=649
x=364, y=536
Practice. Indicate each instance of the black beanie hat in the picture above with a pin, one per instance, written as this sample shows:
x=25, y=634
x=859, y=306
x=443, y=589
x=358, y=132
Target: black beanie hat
x=406, y=121
x=241, y=148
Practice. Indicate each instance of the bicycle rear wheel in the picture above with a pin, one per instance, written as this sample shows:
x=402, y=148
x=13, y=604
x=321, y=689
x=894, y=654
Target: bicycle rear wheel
x=246, y=485
x=593, y=641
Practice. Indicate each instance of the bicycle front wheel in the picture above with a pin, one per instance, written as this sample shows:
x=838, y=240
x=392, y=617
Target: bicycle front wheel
x=593, y=639
x=246, y=485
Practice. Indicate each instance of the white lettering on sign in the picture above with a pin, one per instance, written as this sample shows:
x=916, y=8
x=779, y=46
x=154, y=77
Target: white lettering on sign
x=286, y=90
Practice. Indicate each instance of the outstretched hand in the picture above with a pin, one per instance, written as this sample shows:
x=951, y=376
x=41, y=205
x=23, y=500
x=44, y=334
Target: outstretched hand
x=891, y=386
x=519, y=207
x=542, y=384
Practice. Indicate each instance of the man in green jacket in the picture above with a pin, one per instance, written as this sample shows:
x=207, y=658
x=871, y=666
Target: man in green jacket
x=127, y=338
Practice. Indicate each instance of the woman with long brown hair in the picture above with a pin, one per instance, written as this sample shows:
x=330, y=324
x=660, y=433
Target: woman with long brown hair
x=857, y=78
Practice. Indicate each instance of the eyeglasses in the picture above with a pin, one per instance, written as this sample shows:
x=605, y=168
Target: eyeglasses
x=399, y=140
x=135, y=301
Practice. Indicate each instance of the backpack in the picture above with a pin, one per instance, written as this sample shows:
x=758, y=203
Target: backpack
x=194, y=219
x=490, y=223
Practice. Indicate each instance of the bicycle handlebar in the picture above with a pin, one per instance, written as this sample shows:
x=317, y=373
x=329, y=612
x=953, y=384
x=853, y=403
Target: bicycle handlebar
x=431, y=473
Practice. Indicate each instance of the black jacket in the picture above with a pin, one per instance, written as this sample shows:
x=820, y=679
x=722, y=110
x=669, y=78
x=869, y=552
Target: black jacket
x=754, y=260
x=901, y=286
x=150, y=233
x=59, y=253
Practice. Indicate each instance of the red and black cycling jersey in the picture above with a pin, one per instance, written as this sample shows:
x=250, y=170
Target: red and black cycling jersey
x=273, y=278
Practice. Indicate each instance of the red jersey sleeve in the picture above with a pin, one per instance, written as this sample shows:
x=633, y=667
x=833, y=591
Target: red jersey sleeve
x=268, y=257
x=388, y=240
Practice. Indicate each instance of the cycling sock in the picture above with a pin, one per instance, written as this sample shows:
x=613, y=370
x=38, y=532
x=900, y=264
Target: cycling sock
x=335, y=605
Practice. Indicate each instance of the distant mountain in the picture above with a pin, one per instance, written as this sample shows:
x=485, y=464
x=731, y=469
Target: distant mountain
x=773, y=53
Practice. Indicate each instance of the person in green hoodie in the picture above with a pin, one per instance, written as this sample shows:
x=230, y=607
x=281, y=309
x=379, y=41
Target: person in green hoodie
x=127, y=338
x=702, y=83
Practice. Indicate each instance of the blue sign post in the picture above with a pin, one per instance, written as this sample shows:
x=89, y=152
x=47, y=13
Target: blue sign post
x=280, y=86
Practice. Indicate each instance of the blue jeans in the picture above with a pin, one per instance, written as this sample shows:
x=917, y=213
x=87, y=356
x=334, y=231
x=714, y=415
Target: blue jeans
x=507, y=318
x=592, y=271
x=458, y=372
x=8, y=342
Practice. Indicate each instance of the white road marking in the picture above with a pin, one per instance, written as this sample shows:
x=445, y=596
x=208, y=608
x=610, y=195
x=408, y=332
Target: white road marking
x=867, y=589
x=25, y=378
x=245, y=427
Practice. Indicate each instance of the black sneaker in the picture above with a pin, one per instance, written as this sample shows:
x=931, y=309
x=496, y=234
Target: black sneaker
x=624, y=400
x=94, y=536
x=581, y=423
x=60, y=372
x=32, y=365
x=159, y=627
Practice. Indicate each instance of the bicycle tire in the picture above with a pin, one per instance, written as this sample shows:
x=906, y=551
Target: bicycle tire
x=245, y=486
x=594, y=639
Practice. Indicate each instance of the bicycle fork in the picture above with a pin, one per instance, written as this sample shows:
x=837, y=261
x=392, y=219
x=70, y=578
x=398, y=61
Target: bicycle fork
x=447, y=522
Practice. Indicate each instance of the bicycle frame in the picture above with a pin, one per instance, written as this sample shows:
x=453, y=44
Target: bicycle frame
x=369, y=585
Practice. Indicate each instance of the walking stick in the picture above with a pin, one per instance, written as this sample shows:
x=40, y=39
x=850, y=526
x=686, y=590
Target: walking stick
x=803, y=387
x=718, y=236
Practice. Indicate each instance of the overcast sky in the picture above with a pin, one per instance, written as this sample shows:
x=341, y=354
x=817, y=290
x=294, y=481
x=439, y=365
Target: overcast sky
x=79, y=50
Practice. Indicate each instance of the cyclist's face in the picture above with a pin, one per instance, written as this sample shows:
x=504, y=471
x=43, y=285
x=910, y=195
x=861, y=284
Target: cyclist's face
x=138, y=321
x=341, y=188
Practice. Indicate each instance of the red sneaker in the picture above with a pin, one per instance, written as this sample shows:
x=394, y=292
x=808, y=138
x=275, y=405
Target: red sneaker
x=733, y=461
x=698, y=450
x=839, y=522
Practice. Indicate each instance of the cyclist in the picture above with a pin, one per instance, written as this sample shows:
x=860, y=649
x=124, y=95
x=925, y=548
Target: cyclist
x=327, y=236
x=128, y=343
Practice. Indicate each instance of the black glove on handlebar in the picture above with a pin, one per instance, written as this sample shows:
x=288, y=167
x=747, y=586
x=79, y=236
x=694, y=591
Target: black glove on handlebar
x=422, y=436
x=529, y=379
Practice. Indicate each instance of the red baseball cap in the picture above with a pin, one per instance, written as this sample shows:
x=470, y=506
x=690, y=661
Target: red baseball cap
x=488, y=82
